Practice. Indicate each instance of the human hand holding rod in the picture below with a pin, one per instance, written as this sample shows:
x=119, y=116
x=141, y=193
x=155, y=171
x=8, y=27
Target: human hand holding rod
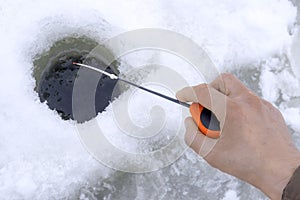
x=255, y=144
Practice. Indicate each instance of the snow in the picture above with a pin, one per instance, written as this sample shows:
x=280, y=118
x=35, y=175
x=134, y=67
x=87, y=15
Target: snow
x=291, y=116
x=294, y=52
x=42, y=156
x=26, y=186
x=230, y=194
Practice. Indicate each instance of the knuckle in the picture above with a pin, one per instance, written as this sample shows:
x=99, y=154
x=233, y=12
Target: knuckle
x=268, y=104
x=235, y=110
x=200, y=87
x=224, y=82
x=272, y=109
x=255, y=102
x=233, y=105
x=227, y=76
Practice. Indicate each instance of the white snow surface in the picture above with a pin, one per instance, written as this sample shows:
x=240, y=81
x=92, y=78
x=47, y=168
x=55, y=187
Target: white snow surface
x=41, y=155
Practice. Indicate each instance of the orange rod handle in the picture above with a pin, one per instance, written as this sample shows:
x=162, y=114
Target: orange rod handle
x=205, y=120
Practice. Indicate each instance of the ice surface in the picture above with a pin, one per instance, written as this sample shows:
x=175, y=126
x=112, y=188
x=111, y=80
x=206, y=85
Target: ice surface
x=41, y=155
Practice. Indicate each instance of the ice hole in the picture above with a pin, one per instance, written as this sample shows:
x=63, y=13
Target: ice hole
x=55, y=76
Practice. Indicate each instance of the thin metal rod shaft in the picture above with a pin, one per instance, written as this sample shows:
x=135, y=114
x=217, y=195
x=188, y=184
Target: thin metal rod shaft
x=113, y=76
x=156, y=93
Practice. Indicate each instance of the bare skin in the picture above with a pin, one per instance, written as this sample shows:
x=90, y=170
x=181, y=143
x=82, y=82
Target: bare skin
x=255, y=144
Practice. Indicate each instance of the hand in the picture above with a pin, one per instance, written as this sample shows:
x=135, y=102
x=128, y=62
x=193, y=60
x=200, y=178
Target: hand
x=255, y=144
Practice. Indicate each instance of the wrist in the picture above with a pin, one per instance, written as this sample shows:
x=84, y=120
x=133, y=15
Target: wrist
x=278, y=174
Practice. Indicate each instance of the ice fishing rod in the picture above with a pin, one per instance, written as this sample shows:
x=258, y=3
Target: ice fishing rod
x=204, y=118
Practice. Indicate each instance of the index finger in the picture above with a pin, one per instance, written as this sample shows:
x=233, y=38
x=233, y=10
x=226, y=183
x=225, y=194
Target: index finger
x=229, y=85
x=207, y=96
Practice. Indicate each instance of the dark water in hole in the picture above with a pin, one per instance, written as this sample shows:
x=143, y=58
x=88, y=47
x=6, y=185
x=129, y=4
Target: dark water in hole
x=56, y=86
